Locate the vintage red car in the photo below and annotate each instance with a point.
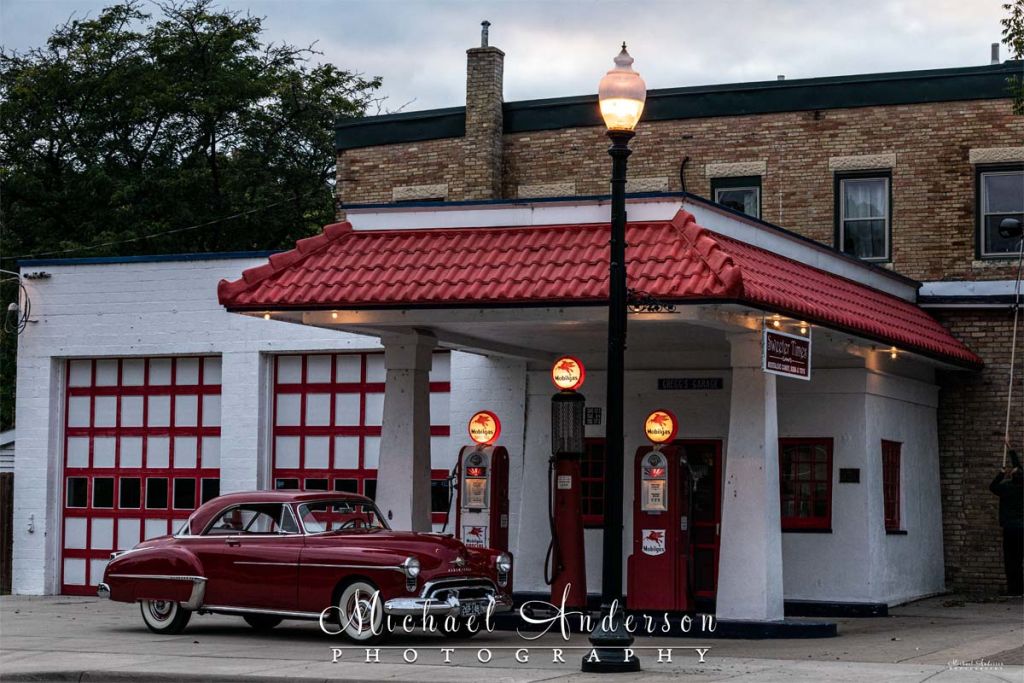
(273, 555)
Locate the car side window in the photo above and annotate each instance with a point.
(254, 519)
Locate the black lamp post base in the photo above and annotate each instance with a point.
(609, 655)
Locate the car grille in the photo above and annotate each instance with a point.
(463, 589)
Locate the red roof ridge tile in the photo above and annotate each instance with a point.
(711, 252)
(227, 289)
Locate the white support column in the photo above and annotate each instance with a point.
(243, 435)
(750, 561)
(403, 474)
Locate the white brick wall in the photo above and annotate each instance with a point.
(137, 309)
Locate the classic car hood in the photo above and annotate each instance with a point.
(413, 542)
(432, 550)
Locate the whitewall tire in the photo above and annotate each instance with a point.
(164, 616)
(359, 621)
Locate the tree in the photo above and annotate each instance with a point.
(1013, 37)
(126, 131)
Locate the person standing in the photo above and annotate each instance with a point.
(1009, 486)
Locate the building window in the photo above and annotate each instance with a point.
(592, 483)
(864, 215)
(1000, 196)
(805, 480)
(741, 194)
(891, 484)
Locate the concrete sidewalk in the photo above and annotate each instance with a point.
(86, 639)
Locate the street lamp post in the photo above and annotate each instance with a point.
(621, 95)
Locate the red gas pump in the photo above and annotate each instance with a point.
(482, 506)
(565, 567)
(659, 565)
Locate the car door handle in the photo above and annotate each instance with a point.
(233, 542)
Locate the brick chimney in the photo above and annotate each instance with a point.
(484, 122)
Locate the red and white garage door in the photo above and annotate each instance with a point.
(327, 423)
(141, 451)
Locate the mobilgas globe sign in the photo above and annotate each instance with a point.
(661, 427)
(567, 373)
(484, 427)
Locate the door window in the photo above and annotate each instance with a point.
(255, 519)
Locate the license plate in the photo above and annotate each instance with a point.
(471, 609)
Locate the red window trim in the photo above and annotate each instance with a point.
(361, 474)
(808, 523)
(593, 520)
(891, 489)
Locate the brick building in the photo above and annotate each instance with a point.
(835, 209)
(936, 157)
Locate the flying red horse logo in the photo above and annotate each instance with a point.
(653, 541)
(660, 419)
(483, 421)
(476, 531)
(567, 366)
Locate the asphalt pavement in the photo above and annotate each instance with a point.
(87, 639)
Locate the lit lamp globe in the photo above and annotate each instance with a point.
(621, 95)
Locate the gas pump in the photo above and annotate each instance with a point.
(659, 567)
(482, 509)
(565, 567)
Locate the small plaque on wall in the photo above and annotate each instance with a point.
(849, 475)
(592, 416)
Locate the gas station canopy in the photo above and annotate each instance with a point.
(674, 261)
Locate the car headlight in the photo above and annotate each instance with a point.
(411, 567)
(504, 563)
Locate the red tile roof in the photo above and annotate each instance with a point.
(674, 260)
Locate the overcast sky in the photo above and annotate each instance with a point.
(562, 47)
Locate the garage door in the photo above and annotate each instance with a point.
(141, 451)
(327, 423)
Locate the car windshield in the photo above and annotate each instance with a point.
(324, 516)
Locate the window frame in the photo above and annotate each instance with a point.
(892, 509)
(366, 477)
(591, 519)
(752, 182)
(979, 215)
(809, 524)
(839, 209)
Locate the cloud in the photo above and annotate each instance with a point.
(563, 48)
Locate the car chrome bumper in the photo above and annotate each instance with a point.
(415, 607)
(103, 590)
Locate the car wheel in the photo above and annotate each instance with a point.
(359, 621)
(262, 622)
(164, 616)
(462, 629)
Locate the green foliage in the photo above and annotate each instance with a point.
(1013, 38)
(129, 124)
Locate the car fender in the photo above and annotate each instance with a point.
(156, 573)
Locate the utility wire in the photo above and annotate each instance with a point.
(161, 233)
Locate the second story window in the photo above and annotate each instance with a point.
(863, 216)
(1000, 196)
(741, 194)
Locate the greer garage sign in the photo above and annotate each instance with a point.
(786, 354)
